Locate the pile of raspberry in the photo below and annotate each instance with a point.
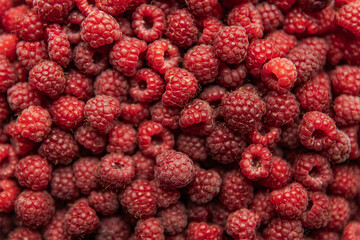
(179, 119)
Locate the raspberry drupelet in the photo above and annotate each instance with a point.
(150, 229)
(85, 174)
(318, 214)
(91, 139)
(9, 193)
(53, 10)
(63, 185)
(242, 224)
(174, 218)
(283, 228)
(122, 139)
(21, 96)
(192, 145)
(200, 230)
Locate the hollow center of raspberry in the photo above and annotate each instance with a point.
(318, 134)
(142, 85)
(314, 172)
(256, 162)
(157, 140)
(148, 22)
(117, 165)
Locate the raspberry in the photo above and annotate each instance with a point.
(11, 18)
(242, 224)
(213, 94)
(9, 192)
(144, 166)
(89, 138)
(351, 53)
(312, 171)
(20, 72)
(146, 86)
(318, 214)
(231, 77)
(317, 131)
(340, 151)
(282, 228)
(168, 7)
(34, 123)
(280, 174)
(337, 44)
(352, 133)
(165, 197)
(242, 110)
(114, 227)
(4, 108)
(81, 219)
(115, 170)
(53, 10)
(301, 23)
(211, 26)
(126, 55)
(72, 26)
(202, 62)
(261, 205)
(348, 17)
(162, 55)
(58, 45)
(340, 213)
(345, 79)
(24, 233)
(139, 199)
(219, 213)
(205, 186)
(22, 96)
(33, 172)
(150, 229)
(5, 5)
(34, 208)
(290, 201)
(264, 135)
(202, 8)
(202, 230)
(62, 183)
(111, 83)
(347, 110)
(122, 139)
(351, 230)
(167, 116)
(89, 60)
(179, 81)
(8, 44)
(55, 229)
(104, 202)
(231, 44)
(7, 74)
(84, 170)
(198, 213)
(30, 26)
(78, 85)
(174, 218)
(192, 145)
(283, 41)
(31, 53)
(325, 235)
(236, 190)
(271, 16)
(345, 183)
(318, 45)
(154, 139)
(134, 113)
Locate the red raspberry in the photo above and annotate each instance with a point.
(63, 185)
(340, 151)
(104, 202)
(271, 16)
(242, 224)
(11, 18)
(198, 213)
(122, 139)
(202, 230)
(348, 17)
(58, 45)
(111, 83)
(345, 183)
(162, 55)
(55, 229)
(318, 214)
(113, 7)
(174, 218)
(280, 174)
(325, 235)
(192, 145)
(202, 8)
(290, 201)
(168, 7)
(236, 190)
(347, 110)
(282, 228)
(179, 81)
(89, 138)
(7, 74)
(134, 113)
(202, 62)
(114, 227)
(146, 86)
(33, 172)
(21, 96)
(231, 77)
(5, 5)
(219, 213)
(34, 208)
(261, 205)
(31, 53)
(154, 139)
(149, 229)
(211, 26)
(337, 42)
(205, 186)
(174, 169)
(72, 26)
(165, 197)
(81, 219)
(352, 133)
(340, 213)
(139, 199)
(9, 192)
(24, 233)
(351, 53)
(34, 123)
(283, 41)
(231, 44)
(144, 166)
(89, 60)
(318, 45)
(345, 79)
(84, 171)
(264, 135)
(53, 10)
(167, 116)
(351, 230)
(181, 29)
(78, 85)
(312, 171)
(213, 94)
(8, 44)
(126, 55)
(317, 131)
(30, 26)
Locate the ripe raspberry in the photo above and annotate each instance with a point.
(242, 110)
(337, 42)
(126, 56)
(53, 10)
(24, 233)
(236, 190)
(202, 62)
(165, 197)
(312, 171)
(168, 7)
(11, 18)
(264, 135)
(139, 199)
(345, 182)
(318, 214)
(231, 77)
(21, 96)
(122, 139)
(202, 230)
(104, 202)
(351, 53)
(31, 53)
(179, 81)
(111, 83)
(134, 113)
(213, 94)
(84, 170)
(242, 224)
(174, 218)
(261, 205)
(9, 192)
(8, 44)
(211, 26)
(351, 230)
(114, 227)
(167, 116)
(283, 41)
(198, 213)
(34, 123)
(153, 138)
(58, 45)
(34, 208)
(324, 234)
(78, 85)
(30, 26)
(55, 229)
(348, 17)
(5, 5)
(231, 44)
(72, 26)
(81, 219)
(192, 145)
(345, 79)
(33, 172)
(7, 74)
(340, 151)
(149, 229)
(62, 183)
(205, 186)
(347, 110)
(144, 166)
(89, 138)
(20, 72)
(202, 8)
(282, 228)
(318, 45)
(352, 133)
(271, 16)
(340, 213)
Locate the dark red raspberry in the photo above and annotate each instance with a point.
(55, 229)
(312, 171)
(162, 55)
(340, 213)
(219, 213)
(139, 199)
(122, 139)
(280, 174)
(346, 110)
(8, 44)
(111, 83)
(149, 229)
(283, 41)
(352, 53)
(115, 170)
(33, 172)
(348, 17)
(114, 227)
(30, 26)
(34, 208)
(211, 26)
(21, 96)
(31, 53)
(213, 94)
(9, 192)
(144, 166)
(84, 170)
(78, 85)
(146, 86)
(351, 230)
(179, 81)
(63, 185)
(231, 44)
(34, 123)
(101, 111)
(242, 110)
(318, 45)
(340, 151)
(104, 202)
(72, 26)
(345, 79)
(113, 7)
(324, 234)
(345, 182)
(134, 113)
(231, 77)
(205, 186)
(11, 18)
(81, 219)
(337, 42)
(264, 135)
(242, 224)
(165, 197)
(167, 116)
(198, 213)
(271, 16)
(89, 138)
(53, 10)
(282, 228)
(202, 62)
(202, 8)
(261, 205)
(236, 190)
(174, 218)
(89, 60)
(192, 145)
(352, 133)
(24, 233)
(297, 21)
(58, 45)
(126, 56)
(7, 74)
(318, 213)
(168, 7)
(202, 230)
